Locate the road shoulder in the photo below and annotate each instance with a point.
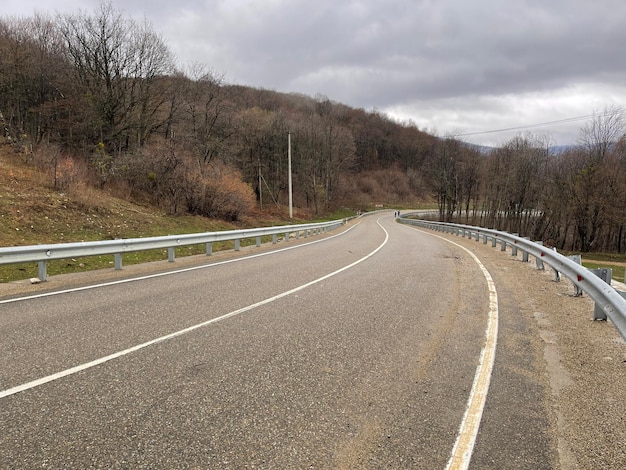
(584, 361)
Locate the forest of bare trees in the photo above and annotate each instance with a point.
(98, 97)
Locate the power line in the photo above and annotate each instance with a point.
(530, 126)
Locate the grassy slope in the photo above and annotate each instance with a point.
(32, 212)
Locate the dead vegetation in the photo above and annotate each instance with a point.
(33, 212)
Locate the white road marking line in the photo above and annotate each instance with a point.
(168, 273)
(88, 365)
(468, 431)
(464, 446)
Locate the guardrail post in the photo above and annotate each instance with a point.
(578, 260)
(171, 256)
(237, 244)
(557, 275)
(209, 249)
(42, 272)
(258, 241)
(538, 260)
(485, 239)
(494, 241)
(514, 246)
(605, 274)
(525, 253)
(286, 236)
(274, 239)
(118, 261)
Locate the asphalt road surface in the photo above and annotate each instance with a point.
(357, 349)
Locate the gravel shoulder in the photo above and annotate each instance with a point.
(585, 363)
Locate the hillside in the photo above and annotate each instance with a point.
(191, 144)
(32, 212)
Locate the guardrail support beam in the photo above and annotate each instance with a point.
(525, 253)
(538, 260)
(578, 260)
(117, 257)
(42, 272)
(606, 275)
(514, 246)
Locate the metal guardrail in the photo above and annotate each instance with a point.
(607, 299)
(41, 254)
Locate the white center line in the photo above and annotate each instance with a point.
(88, 365)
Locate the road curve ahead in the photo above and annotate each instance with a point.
(358, 350)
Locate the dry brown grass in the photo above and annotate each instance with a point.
(33, 212)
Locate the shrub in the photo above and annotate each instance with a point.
(222, 194)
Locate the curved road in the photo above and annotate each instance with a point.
(355, 350)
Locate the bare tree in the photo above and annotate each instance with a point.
(444, 177)
(117, 64)
(603, 131)
(206, 114)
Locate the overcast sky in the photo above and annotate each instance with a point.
(450, 66)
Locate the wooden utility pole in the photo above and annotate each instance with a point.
(289, 169)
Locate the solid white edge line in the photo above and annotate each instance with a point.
(168, 273)
(468, 430)
(88, 365)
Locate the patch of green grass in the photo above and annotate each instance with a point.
(610, 257)
(617, 271)
(14, 272)
(336, 215)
